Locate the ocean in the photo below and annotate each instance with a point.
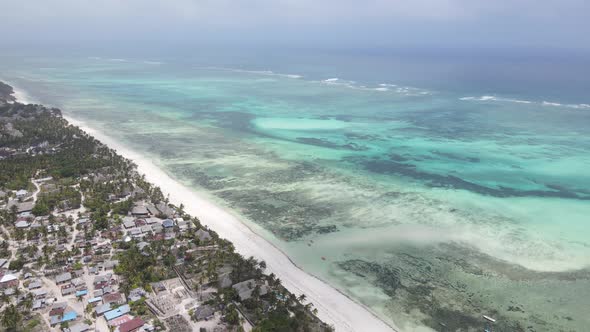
(433, 187)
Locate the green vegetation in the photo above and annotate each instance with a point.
(40, 144)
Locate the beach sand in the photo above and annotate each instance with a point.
(335, 308)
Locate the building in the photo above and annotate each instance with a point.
(168, 223)
(21, 208)
(80, 327)
(101, 309)
(35, 284)
(20, 194)
(203, 236)
(129, 224)
(140, 211)
(63, 278)
(131, 326)
(115, 313)
(204, 312)
(67, 290)
(67, 317)
(246, 288)
(114, 298)
(8, 281)
(22, 224)
(95, 300)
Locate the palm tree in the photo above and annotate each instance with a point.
(11, 318)
(301, 298)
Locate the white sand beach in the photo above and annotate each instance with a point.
(333, 306)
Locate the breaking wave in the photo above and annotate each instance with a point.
(521, 101)
(256, 72)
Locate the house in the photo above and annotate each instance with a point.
(20, 194)
(67, 290)
(58, 308)
(152, 209)
(135, 233)
(114, 298)
(204, 312)
(8, 281)
(101, 309)
(110, 264)
(3, 262)
(152, 220)
(39, 293)
(203, 235)
(67, 317)
(95, 300)
(81, 293)
(246, 288)
(114, 323)
(140, 211)
(120, 311)
(136, 294)
(63, 278)
(128, 224)
(21, 208)
(165, 210)
(133, 325)
(168, 223)
(38, 304)
(35, 284)
(78, 283)
(224, 281)
(80, 327)
(83, 221)
(36, 224)
(141, 245)
(22, 224)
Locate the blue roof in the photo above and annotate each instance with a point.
(94, 299)
(168, 223)
(68, 316)
(120, 311)
(81, 293)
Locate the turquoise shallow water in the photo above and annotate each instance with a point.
(429, 206)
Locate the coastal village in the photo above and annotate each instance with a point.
(86, 244)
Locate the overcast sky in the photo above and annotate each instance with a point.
(349, 23)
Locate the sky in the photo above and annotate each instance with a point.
(557, 24)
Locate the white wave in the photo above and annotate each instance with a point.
(387, 85)
(521, 101)
(257, 72)
(482, 98)
(94, 58)
(330, 80)
(576, 106)
(381, 89)
(486, 98)
(19, 94)
(118, 60)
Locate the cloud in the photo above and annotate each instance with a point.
(555, 23)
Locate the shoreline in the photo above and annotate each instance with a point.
(334, 307)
